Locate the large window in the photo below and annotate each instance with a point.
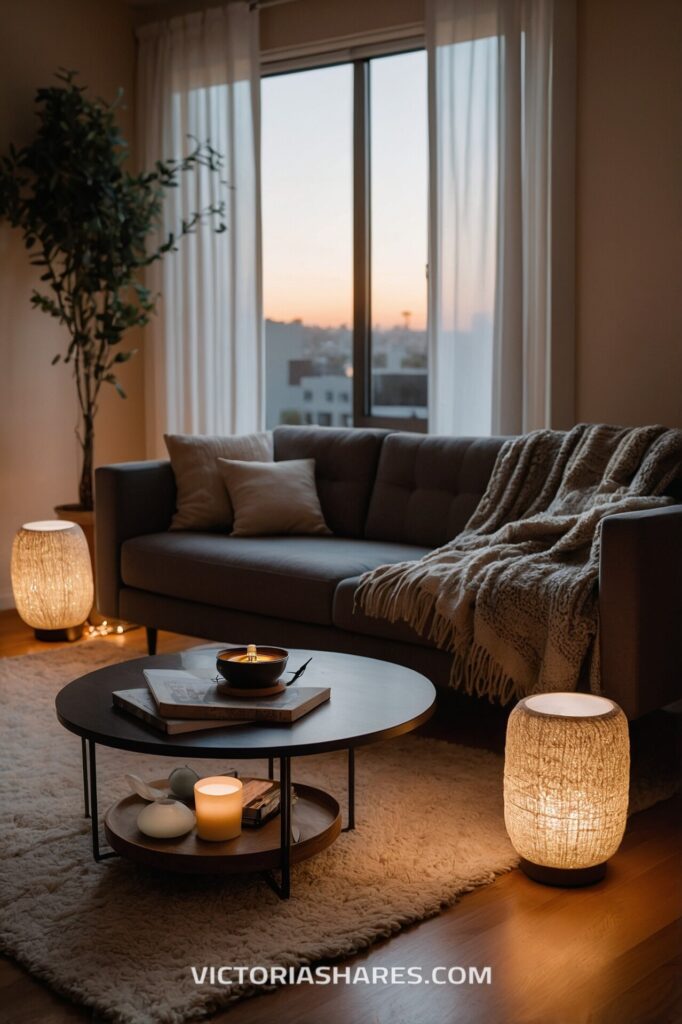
(344, 171)
(307, 174)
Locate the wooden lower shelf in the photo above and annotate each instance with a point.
(315, 813)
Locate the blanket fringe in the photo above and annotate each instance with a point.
(479, 675)
(474, 670)
(395, 599)
(398, 600)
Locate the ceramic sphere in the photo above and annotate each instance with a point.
(181, 782)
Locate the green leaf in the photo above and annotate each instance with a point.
(123, 357)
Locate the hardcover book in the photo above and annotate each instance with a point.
(141, 704)
(261, 800)
(180, 694)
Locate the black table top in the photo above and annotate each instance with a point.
(370, 700)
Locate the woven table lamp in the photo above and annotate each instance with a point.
(52, 578)
(566, 780)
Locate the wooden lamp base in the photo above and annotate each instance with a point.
(52, 636)
(564, 877)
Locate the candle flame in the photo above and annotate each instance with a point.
(218, 789)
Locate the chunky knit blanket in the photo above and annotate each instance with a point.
(514, 596)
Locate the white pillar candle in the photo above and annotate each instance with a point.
(218, 806)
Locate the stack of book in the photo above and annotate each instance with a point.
(178, 702)
(261, 800)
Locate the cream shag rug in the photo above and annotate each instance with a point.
(121, 938)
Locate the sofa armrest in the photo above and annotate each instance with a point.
(131, 499)
(640, 607)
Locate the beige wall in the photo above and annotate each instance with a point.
(300, 22)
(307, 21)
(629, 211)
(38, 451)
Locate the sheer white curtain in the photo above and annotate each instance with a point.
(198, 79)
(490, 104)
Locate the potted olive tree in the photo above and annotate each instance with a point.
(87, 222)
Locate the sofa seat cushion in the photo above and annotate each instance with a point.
(284, 577)
(357, 622)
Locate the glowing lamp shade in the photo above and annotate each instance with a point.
(566, 780)
(52, 578)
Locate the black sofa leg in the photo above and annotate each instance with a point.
(151, 640)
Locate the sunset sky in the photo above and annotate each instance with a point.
(307, 193)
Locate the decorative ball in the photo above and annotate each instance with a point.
(165, 819)
(181, 782)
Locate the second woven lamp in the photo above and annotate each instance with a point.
(566, 783)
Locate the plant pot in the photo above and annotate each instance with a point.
(86, 521)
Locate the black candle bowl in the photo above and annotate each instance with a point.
(252, 675)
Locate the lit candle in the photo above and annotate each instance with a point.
(218, 806)
(251, 667)
(252, 657)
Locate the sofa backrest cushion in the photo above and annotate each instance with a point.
(427, 486)
(346, 463)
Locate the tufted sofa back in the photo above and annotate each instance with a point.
(428, 486)
(346, 463)
(408, 488)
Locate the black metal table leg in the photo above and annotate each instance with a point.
(84, 759)
(271, 767)
(96, 852)
(285, 835)
(152, 635)
(351, 790)
(283, 887)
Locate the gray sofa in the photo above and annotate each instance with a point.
(387, 497)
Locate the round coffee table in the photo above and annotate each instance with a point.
(370, 700)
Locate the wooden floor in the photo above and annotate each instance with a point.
(610, 954)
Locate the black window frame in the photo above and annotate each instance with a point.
(362, 241)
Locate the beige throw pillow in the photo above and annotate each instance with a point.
(273, 497)
(203, 502)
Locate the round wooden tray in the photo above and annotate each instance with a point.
(315, 813)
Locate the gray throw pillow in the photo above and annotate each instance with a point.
(203, 502)
(271, 498)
